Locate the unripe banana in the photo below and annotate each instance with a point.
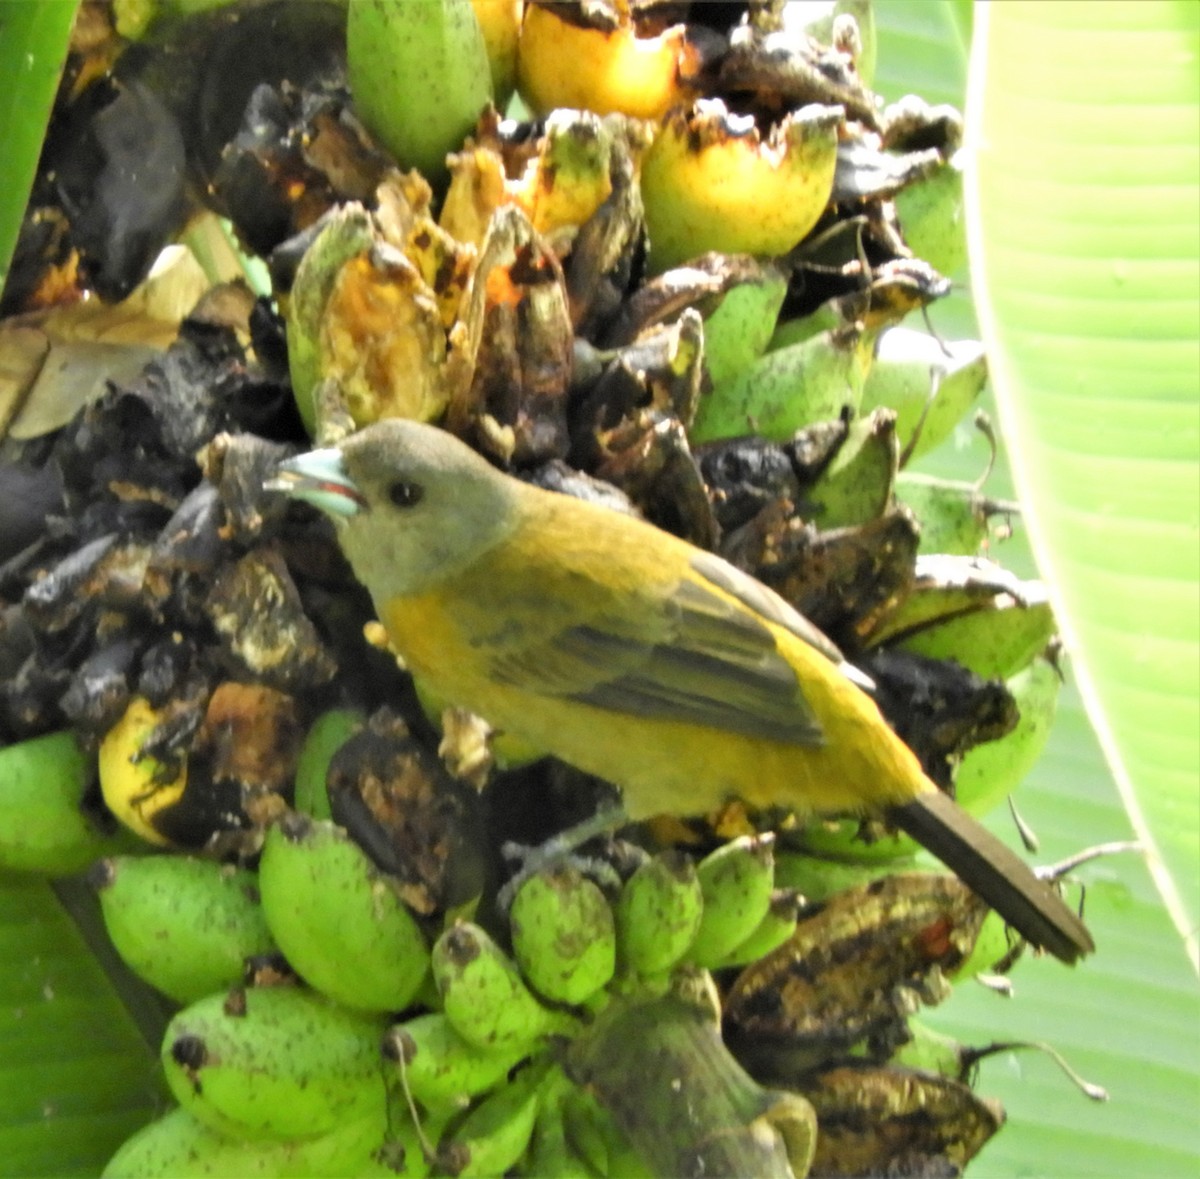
(275, 1062)
(550, 1152)
(737, 333)
(43, 824)
(420, 76)
(993, 770)
(327, 734)
(658, 913)
(773, 930)
(441, 1069)
(841, 851)
(736, 881)
(929, 1050)
(856, 486)
(560, 64)
(563, 934)
(483, 994)
(182, 1147)
(493, 1136)
(930, 384)
(130, 782)
(932, 219)
(816, 878)
(337, 918)
(787, 389)
(953, 515)
(709, 182)
(185, 925)
(995, 950)
(994, 642)
(972, 611)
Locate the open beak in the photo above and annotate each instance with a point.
(320, 478)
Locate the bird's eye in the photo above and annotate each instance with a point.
(404, 495)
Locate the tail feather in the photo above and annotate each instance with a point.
(1031, 906)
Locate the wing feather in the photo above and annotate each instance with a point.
(693, 657)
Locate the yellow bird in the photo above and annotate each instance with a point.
(633, 655)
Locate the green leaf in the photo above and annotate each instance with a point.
(33, 47)
(1086, 264)
(77, 1073)
(1127, 1017)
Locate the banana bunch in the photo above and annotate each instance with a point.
(311, 1079)
(334, 1019)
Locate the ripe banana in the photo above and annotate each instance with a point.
(560, 64)
(711, 182)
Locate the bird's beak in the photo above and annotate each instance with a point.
(320, 478)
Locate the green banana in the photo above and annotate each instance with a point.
(788, 388)
(953, 516)
(840, 845)
(44, 826)
(274, 1062)
(930, 385)
(183, 1147)
(991, 771)
(563, 935)
(738, 330)
(994, 642)
(856, 486)
(932, 220)
(736, 881)
(816, 878)
(337, 918)
(930, 1051)
(327, 734)
(496, 1133)
(995, 950)
(576, 1138)
(657, 914)
(420, 76)
(484, 996)
(441, 1069)
(972, 611)
(185, 925)
(772, 931)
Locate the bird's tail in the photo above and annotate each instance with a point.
(1031, 906)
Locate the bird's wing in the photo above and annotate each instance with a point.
(684, 653)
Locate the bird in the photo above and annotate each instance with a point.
(633, 655)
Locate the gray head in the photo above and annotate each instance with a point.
(414, 504)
